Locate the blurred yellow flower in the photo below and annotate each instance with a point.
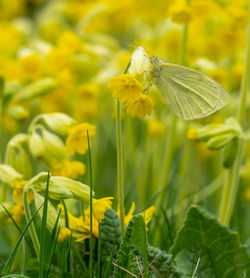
(180, 13)
(126, 87)
(192, 134)
(140, 106)
(100, 206)
(64, 234)
(77, 139)
(68, 169)
(30, 66)
(147, 214)
(156, 128)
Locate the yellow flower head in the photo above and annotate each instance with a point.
(64, 234)
(156, 128)
(180, 13)
(126, 87)
(100, 206)
(147, 214)
(31, 66)
(69, 169)
(140, 106)
(192, 134)
(77, 140)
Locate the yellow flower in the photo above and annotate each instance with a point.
(192, 134)
(180, 13)
(219, 75)
(126, 87)
(147, 214)
(141, 106)
(64, 234)
(130, 214)
(156, 128)
(77, 140)
(69, 169)
(31, 66)
(100, 206)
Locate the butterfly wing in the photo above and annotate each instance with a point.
(190, 93)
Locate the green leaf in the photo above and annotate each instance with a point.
(162, 262)
(43, 234)
(220, 251)
(110, 230)
(10, 260)
(132, 254)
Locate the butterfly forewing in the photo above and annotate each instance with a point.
(189, 93)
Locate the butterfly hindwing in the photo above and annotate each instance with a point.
(190, 93)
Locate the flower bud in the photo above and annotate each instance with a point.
(229, 153)
(17, 155)
(56, 190)
(18, 112)
(54, 147)
(59, 122)
(9, 175)
(35, 89)
(52, 213)
(220, 141)
(140, 66)
(36, 145)
(79, 190)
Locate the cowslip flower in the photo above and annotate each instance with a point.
(147, 214)
(141, 106)
(180, 13)
(77, 140)
(126, 87)
(68, 169)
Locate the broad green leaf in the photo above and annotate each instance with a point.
(132, 255)
(162, 262)
(220, 251)
(110, 231)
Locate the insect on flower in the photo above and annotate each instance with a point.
(189, 93)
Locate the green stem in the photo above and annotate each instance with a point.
(245, 78)
(91, 259)
(225, 195)
(234, 179)
(234, 183)
(32, 229)
(120, 161)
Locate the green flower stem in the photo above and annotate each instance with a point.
(32, 229)
(120, 166)
(234, 173)
(225, 195)
(173, 120)
(120, 161)
(235, 183)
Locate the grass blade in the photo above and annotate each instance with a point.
(16, 225)
(10, 260)
(91, 260)
(44, 224)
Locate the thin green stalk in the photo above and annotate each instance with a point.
(99, 253)
(173, 120)
(234, 180)
(225, 195)
(44, 224)
(91, 259)
(235, 184)
(32, 229)
(120, 161)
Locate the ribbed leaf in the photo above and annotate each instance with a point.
(132, 254)
(110, 231)
(220, 251)
(162, 262)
